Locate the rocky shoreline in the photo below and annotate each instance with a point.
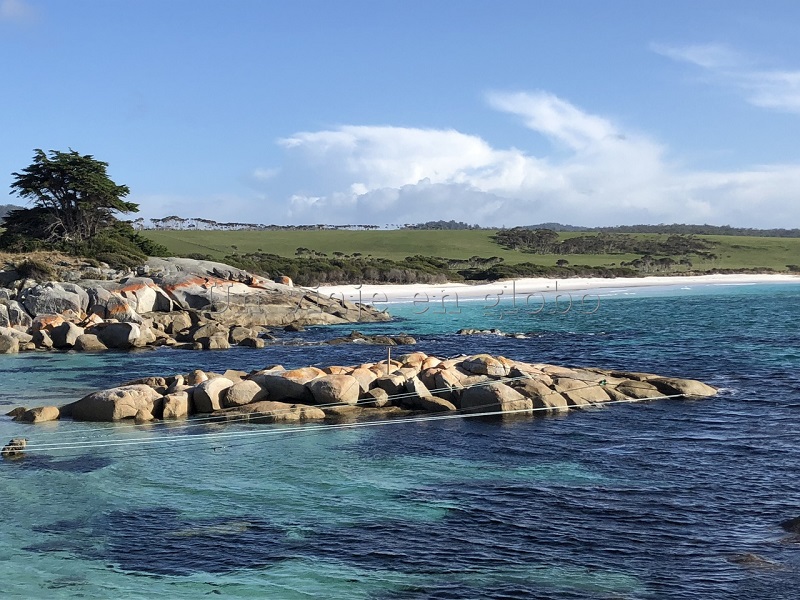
(189, 304)
(415, 382)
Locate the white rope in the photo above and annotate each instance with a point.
(197, 422)
(310, 428)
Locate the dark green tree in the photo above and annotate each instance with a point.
(74, 210)
(73, 198)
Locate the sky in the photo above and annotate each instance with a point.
(387, 112)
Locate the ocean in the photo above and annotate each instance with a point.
(662, 499)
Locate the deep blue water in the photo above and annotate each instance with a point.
(651, 500)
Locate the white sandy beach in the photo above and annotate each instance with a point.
(370, 293)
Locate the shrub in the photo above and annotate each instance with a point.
(36, 269)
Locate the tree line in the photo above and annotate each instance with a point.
(547, 241)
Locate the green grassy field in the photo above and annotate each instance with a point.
(734, 252)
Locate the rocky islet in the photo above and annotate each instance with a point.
(413, 383)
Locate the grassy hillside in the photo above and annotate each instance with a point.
(733, 252)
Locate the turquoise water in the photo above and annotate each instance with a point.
(652, 500)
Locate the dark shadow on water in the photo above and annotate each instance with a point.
(159, 541)
(78, 464)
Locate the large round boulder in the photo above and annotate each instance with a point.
(335, 389)
(120, 336)
(176, 405)
(114, 404)
(244, 392)
(288, 385)
(483, 364)
(208, 395)
(88, 342)
(144, 295)
(64, 335)
(494, 397)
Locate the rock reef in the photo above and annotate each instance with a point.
(169, 301)
(478, 384)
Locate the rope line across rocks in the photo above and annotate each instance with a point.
(226, 435)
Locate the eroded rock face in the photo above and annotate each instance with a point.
(54, 298)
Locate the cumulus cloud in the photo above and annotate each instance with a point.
(609, 174)
(777, 89)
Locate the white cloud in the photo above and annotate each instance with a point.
(555, 118)
(262, 174)
(763, 87)
(15, 10)
(609, 175)
(708, 56)
(773, 89)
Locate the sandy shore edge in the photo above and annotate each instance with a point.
(369, 293)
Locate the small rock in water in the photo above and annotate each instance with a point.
(14, 448)
(791, 525)
(748, 559)
(16, 412)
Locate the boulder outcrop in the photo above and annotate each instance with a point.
(275, 394)
(181, 302)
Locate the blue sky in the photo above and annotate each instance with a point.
(390, 112)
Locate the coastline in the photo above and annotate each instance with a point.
(399, 293)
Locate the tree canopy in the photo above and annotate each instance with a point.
(73, 193)
(74, 208)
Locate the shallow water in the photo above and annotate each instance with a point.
(653, 500)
